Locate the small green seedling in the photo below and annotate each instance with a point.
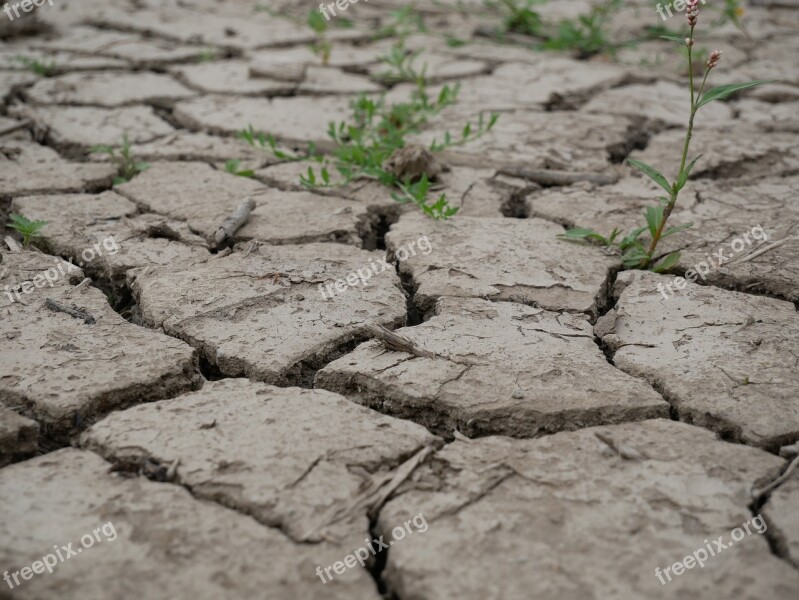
(322, 46)
(127, 166)
(27, 228)
(43, 69)
(232, 167)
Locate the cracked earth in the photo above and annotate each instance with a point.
(563, 426)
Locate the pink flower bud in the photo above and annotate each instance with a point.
(689, 42)
(715, 56)
(692, 11)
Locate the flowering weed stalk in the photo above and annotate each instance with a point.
(638, 254)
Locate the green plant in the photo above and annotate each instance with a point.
(207, 55)
(127, 166)
(29, 229)
(322, 46)
(375, 130)
(639, 254)
(586, 33)
(402, 23)
(519, 16)
(43, 69)
(400, 66)
(232, 167)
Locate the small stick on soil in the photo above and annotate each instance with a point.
(80, 286)
(548, 177)
(778, 481)
(395, 342)
(234, 222)
(374, 496)
(749, 257)
(12, 245)
(73, 312)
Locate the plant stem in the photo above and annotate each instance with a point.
(674, 191)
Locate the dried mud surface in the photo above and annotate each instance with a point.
(248, 413)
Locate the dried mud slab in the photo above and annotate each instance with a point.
(724, 360)
(190, 146)
(260, 313)
(300, 119)
(329, 80)
(499, 368)
(567, 517)
(669, 101)
(30, 168)
(156, 539)
(778, 117)
(783, 519)
(535, 85)
(738, 151)
(105, 235)
(516, 260)
(263, 62)
(564, 141)
(226, 31)
(230, 77)
(204, 198)
(59, 62)
(140, 51)
(729, 219)
(78, 128)
(18, 436)
(108, 89)
(235, 441)
(65, 371)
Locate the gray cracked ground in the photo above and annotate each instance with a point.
(500, 368)
(222, 487)
(266, 314)
(566, 517)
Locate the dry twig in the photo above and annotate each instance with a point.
(396, 342)
(73, 312)
(234, 222)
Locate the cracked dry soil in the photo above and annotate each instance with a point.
(564, 428)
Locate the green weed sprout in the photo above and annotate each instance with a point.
(29, 229)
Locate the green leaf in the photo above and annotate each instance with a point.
(634, 256)
(652, 173)
(673, 230)
(654, 217)
(682, 179)
(631, 238)
(325, 176)
(722, 91)
(674, 38)
(580, 233)
(667, 263)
